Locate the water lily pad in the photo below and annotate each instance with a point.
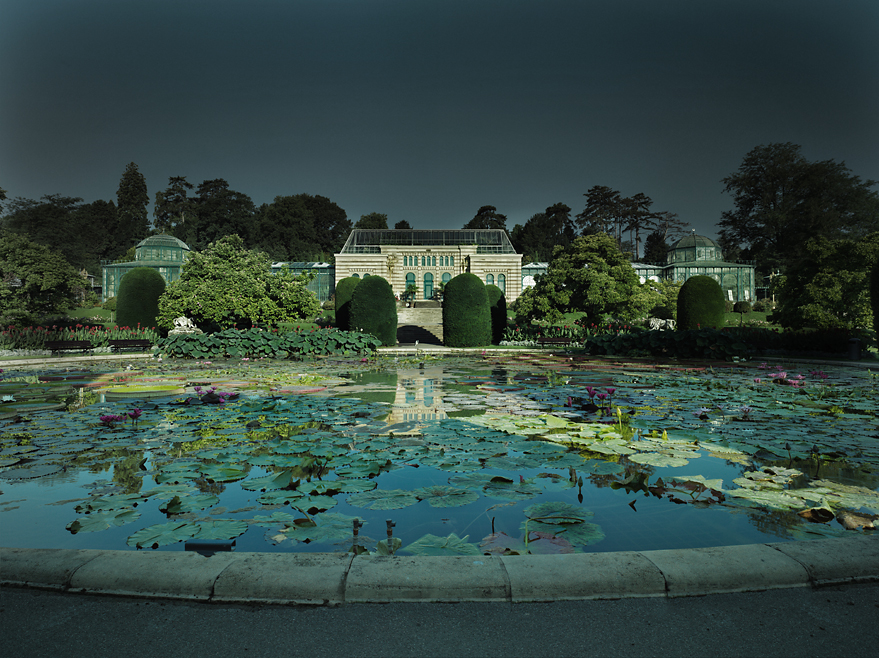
(557, 512)
(383, 499)
(180, 505)
(451, 545)
(443, 496)
(98, 521)
(163, 534)
(658, 459)
(221, 529)
(322, 527)
(268, 482)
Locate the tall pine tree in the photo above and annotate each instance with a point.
(131, 204)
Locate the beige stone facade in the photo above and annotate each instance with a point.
(427, 258)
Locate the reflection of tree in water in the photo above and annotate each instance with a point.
(125, 464)
(772, 521)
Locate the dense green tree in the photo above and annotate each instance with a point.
(173, 206)
(286, 230)
(543, 232)
(35, 281)
(592, 276)
(83, 233)
(219, 212)
(487, 217)
(497, 306)
(227, 284)
(131, 205)
(782, 200)
(402, 224)
(655, 248)
(638, 217)
(603, 211)
(331, 225)
(829, 285)
(374, 220)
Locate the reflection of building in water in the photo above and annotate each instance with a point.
(418, 395)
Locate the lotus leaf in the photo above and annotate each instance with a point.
(577, 534)
(451, 545)
(314, 504)
(97, 521)
(223, 472)
(108, 503)
(163, 534)
(500, 543)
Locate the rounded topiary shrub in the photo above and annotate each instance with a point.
(137, 301)
(701, 304)
(374, 309)
(344, 290)
(466, 315)
(497, 306)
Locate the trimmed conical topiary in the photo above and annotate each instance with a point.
(701, 304)
(497, 306)
(374, 309)
(466, 315)
(137, 301)
(344, 290)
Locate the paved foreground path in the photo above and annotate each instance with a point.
(831, 621)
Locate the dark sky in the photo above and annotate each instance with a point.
(426, 110)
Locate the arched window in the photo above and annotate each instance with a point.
(489, 279)
(446, 277)
(366, 275)
(422, 261)
(434, 261)
(428, 285)
(356, 276)
(451, 261)
(502, 283)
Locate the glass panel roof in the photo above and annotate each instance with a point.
(495, 238)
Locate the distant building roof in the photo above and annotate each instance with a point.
(694, 240)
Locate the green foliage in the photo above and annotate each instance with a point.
(374, 309)
(487, 217)
(138, 297)
(591, 276)
(35, 281)
(466, 313)
(227, 285)
(742, 307)
(109, 304)
(344, 290)
(374, 220)
(701, 304)
(131, 202)
(254, 343)
(543, 232)
(829, 286)
(782, 201)
(874, 296)
(497, 305)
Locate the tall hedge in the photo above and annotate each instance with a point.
(374, 309)
(344, 290)
(466, 314)
(497, 307)
(874, 297)
(137, 300)
(701, 304)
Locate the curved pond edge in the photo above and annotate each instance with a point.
(335, 578)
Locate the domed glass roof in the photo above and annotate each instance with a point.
(162, 240)
(694, 240)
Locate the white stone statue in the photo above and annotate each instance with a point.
(184, 325)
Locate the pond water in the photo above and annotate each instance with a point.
(494, 455)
